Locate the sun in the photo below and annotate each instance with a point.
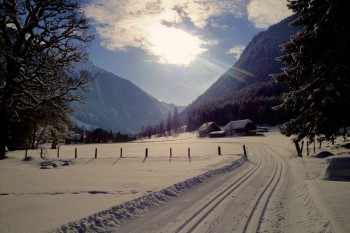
(174, 46)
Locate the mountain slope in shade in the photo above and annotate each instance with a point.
(117, 104)
(248, 78)
(257, 61)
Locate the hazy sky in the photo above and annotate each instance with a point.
(175, 49)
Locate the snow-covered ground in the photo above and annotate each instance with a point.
(101, 193)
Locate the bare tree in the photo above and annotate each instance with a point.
(39, 42)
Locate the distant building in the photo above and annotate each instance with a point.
(72, 138)
(241, 127)
(217, 134)
(207, 128)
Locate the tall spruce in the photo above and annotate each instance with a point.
(168, 123)
(176, 121)
(162, 131)
(317, 71)
(39, 40)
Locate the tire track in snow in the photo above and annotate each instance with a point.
(256, 215)
(199, 216)
(251, 205)
(109, 220)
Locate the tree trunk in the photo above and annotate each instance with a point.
(34, 135)
(298, 149)
(3, 133)
(2, 148)
(12, 69)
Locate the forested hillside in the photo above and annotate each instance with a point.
(246, 90)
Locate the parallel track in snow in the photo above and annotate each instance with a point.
(256, 215)
(257, 207)
(199, 216)
(234, 202)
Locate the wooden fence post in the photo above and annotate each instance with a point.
(95, 153)
(146, 153)
(189, 152)
(26, 154)
(244, 150)
(121, 152)
(314, 146)
(219, 150)
(76, 153)
(41, 152)
(171, 153)
(58, 152)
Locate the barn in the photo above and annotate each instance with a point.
(241, 127)
(207, 128)
(217, 134)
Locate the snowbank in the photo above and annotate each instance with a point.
(108, 220)
(324, 174)
(36, 200)
(338, 168)
(323, 154)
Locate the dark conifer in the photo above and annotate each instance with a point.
(317, 70)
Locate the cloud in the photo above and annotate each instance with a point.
(218, 25)
(128, 23)
(200, 11)
(263, 13)
(236, 50)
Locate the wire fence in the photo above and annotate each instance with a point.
(137, 150)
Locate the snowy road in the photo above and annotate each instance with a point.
(232, 202)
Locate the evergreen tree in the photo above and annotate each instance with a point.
(168, 123)
(161, 128)
(176, 121)
(317, 71)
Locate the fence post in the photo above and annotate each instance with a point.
(76, 153)
(189, 152)
(95, 153)
(146, 153)
(121, 152)
(41, 152)
(58, 152)
(219, 150)
(307, 148)
(244, 150)
(26, 154)
(314, 146)
(171, 153)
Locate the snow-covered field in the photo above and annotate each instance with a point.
(108, 190)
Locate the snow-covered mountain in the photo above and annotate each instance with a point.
(117, 104)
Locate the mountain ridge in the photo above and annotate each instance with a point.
(256, 62)
(247, 83)
(116, 104)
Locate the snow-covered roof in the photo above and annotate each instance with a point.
(208, 125)
(240, 124)
(217, 132)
